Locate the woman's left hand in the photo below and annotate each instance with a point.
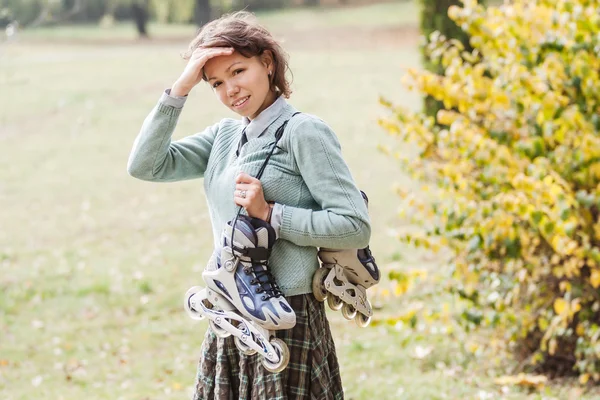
(249, 194)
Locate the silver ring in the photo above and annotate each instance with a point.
(243, 194)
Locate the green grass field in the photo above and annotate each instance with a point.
(94, 263)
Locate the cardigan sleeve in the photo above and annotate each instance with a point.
(156, 158)
(342, 220)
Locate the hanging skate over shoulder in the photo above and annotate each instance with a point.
(242, 298)
(343, 280)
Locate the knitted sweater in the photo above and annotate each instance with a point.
(322, 207)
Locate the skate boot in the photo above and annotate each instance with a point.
(343, 280)
(242, 298)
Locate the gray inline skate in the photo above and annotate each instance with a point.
(242, 298)
(343, 280)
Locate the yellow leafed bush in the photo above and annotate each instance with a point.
(515, 158)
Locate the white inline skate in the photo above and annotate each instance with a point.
(242, 298)
(343, 280)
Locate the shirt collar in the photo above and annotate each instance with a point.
(258, 125)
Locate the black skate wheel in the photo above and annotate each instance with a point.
(362, 320)
(334, 302)
(220, 332)
(318, 284)
(284, 357)
(243, 347)
(199, 294)
(348, 311)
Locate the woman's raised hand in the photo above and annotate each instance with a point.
(192, 74)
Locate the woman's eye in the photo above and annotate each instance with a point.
(216, 84)
(237, 71)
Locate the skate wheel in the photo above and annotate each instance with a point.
(318, 284)
(243, 347)
(362, 320)
(220, 332)
(334, 302)
(284, 357)
(200, 294)
(348, 311)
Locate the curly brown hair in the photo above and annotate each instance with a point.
(242, 31)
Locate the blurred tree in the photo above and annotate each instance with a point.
(24, 11)
(139, 12)
(85, 10)
(6, 17)
(434, 17)
(182, 11)
(72, 7)
(255, 5)
(52, 12)
(40, 12)
(202, 12)
(173, 11)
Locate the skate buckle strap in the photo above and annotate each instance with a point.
(256, 253)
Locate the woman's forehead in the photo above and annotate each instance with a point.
(222, 64)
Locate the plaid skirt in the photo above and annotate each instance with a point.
(312, 374)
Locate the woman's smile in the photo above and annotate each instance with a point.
(241, 103)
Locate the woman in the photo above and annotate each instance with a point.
(306, 193)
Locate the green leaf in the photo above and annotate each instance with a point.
(537, 216)
(549, 227)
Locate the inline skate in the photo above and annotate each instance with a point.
(242, 298)
(343, 280)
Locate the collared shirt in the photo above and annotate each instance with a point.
(258, 125)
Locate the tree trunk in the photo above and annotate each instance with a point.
(202, 12)
(43, 16)
(50, 16)
(139, 11)
(434, 17)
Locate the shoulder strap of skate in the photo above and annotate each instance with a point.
(278, 135)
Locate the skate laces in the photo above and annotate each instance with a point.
(256, 256)
(265, 280)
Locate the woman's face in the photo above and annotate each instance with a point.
(241, 83)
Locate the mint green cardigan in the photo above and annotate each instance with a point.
(322, 207)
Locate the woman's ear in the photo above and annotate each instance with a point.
(266, 58)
